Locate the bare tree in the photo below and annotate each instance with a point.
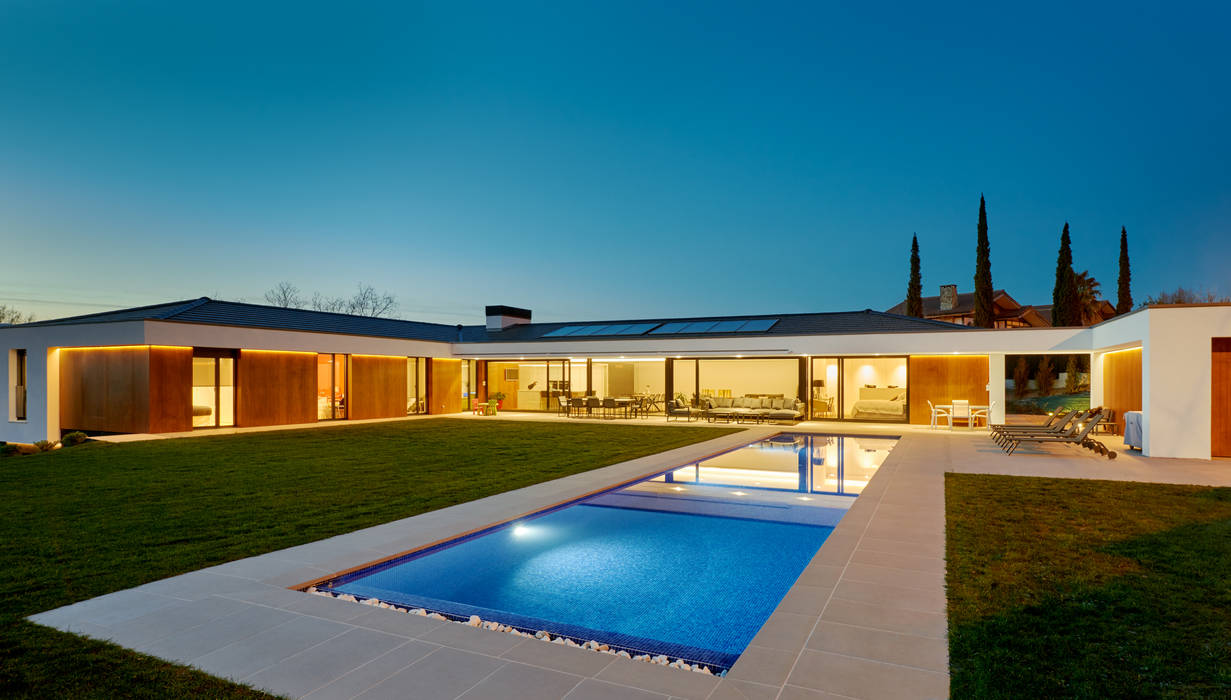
(10, 314)
(1185, 296)
(367, 302)
(336, 305)
(286, 295)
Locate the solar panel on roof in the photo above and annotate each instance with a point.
(757, 324)
(726, 326)
(637, 329)
(614, 329)
(698, 327)
(563, 330)
(668, 328)
(587, 330)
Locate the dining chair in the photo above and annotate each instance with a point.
(961, 410)
(984, 413)
(937, 414)
(609, 407)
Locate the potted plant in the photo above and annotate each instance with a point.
(499, 397)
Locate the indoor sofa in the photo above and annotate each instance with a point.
(758, 408)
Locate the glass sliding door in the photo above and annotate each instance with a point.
(213, 388)
(824, 397)
(331, 387)
(416, 402)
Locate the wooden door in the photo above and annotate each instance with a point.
(1220, 405)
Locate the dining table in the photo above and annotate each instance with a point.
(974, 407)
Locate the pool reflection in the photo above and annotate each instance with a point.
(822, 464)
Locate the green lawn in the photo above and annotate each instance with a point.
(1087, 589)
(98, 518)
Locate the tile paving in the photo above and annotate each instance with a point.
(866, 619)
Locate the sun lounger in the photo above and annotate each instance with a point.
(1078, 433)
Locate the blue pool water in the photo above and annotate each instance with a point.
(697, 583)
(689, 563)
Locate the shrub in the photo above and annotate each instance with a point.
(1021, 377)
(1046, 377)
(74, 438)
(7, 449)
(45, 445)
(1072, 377)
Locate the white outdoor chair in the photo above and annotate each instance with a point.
(984, 413)
(961, 410)
(937, 414)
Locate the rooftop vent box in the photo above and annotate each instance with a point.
(501, 317)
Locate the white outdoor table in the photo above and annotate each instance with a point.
(973, 407)
(1132, 429)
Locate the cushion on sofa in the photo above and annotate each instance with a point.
(724, 402)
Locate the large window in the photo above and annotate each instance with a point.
(531, 385)
(775, 378)
(625, 378)
(331, 387)
(874, 388)
(213, 388)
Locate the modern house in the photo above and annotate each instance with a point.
(203, 364)
(953, 307)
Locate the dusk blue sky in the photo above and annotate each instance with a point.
(602, 160)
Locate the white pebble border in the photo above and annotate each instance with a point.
(545, 636)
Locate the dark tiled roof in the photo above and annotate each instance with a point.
(834, 323)
(229, 313)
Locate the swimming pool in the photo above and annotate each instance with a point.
(687, 563)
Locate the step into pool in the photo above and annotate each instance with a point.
(688, 563)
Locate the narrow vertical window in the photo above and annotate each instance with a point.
(19, 389)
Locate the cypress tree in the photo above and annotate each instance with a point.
(1124, 295)
(983, 273)
(1064, 294)
(914, 288)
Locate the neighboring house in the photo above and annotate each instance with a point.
(953, 307)
(205, 364)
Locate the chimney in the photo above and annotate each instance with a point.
(948, 297)
(501, 317)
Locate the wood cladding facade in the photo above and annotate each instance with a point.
(1122, 383)
(942, 378)
(444, 386)
(276, 388)
(377, 387)
(135, 389)
(170, 389)
(1220, 405)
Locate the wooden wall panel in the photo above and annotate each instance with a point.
(377, 387)
(1122, 383)
(170, 389)
(942, 378)
(444, 390)
(105, 389)
(1220, 381)
(497, 383)
(275, 388)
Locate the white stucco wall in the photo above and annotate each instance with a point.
(1176, 391)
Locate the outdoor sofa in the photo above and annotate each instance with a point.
(758, 408)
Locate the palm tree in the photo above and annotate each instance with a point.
(1088, 301)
